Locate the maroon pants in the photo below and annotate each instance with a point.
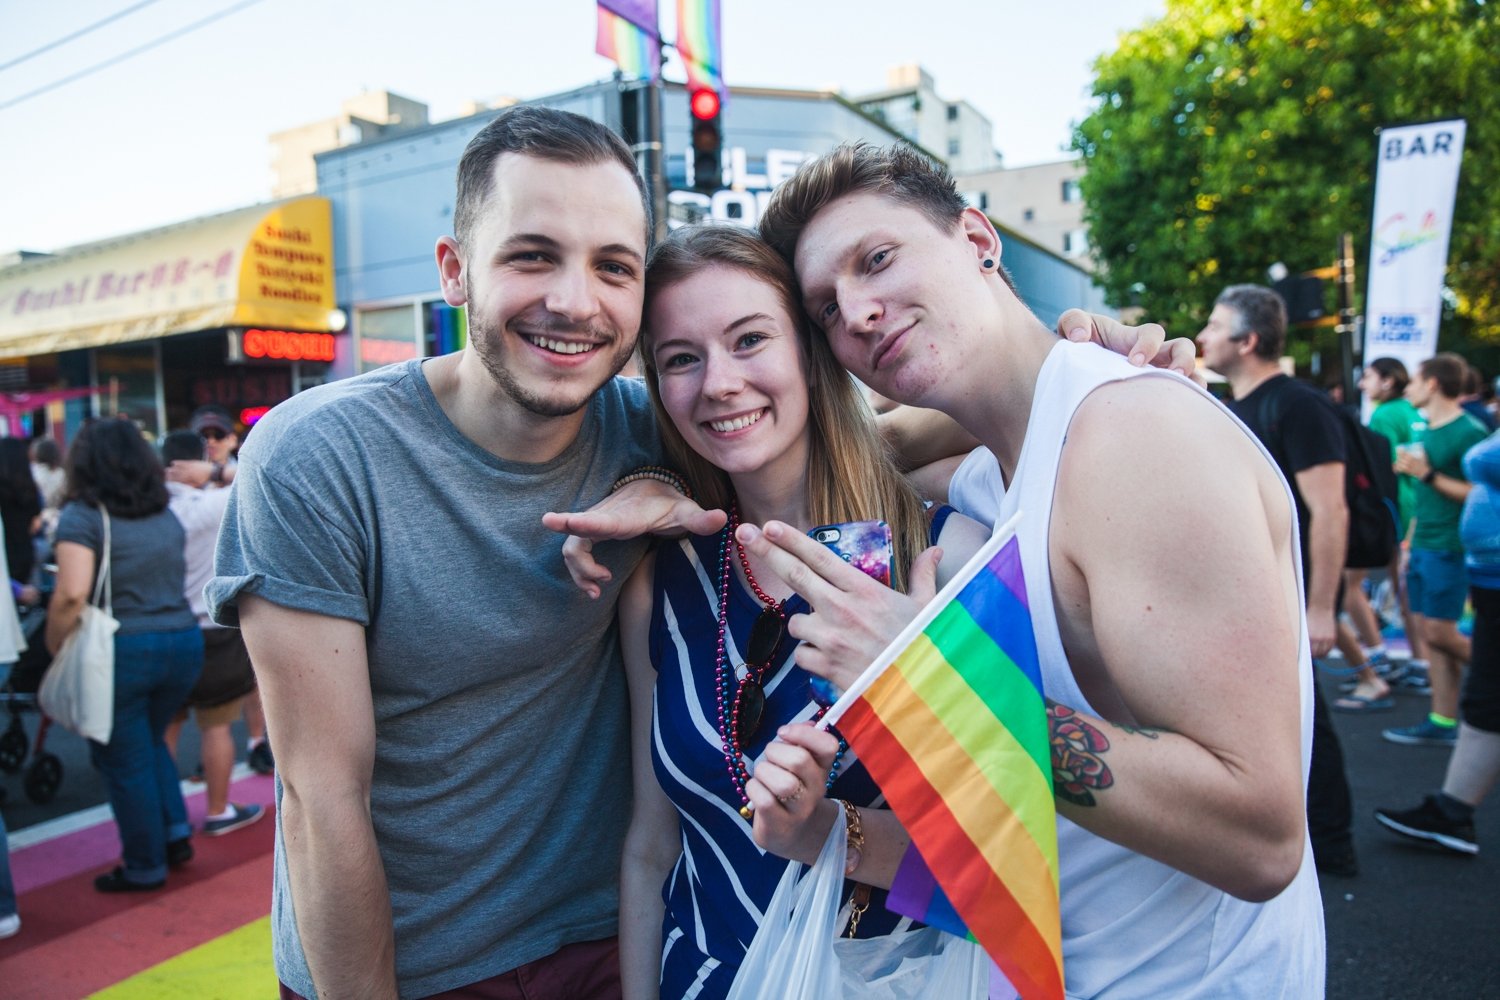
(586, 971)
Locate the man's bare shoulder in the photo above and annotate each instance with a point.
(1158, 444)
(1127, 421)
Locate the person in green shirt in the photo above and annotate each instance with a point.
(1384, 382)
(1436, 580)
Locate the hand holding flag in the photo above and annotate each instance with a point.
(950, 721)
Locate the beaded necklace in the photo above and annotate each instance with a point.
(730, 700)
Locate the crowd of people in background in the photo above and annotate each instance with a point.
(149, 518)
(1439, 424)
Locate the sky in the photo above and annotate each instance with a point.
(181, 129)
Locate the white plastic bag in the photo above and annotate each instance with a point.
(798, 955)
(78, 689)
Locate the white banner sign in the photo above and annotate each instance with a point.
(1415, 184)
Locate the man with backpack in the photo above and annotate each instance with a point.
(1303, 430)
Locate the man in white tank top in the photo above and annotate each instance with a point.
(1178, 644)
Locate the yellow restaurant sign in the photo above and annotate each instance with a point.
(267, 266)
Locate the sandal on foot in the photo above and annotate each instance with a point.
(1358, 703)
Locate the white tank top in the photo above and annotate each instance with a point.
(1132, 926)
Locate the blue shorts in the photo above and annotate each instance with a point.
(1437, 584)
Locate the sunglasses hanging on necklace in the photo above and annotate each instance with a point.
(742, 710)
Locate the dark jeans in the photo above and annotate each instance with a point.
(154, 671)
(1330, 810)
(1481, 698)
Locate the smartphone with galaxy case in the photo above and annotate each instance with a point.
(865, 545)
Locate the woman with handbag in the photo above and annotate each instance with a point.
(116, 537)
(728, 789)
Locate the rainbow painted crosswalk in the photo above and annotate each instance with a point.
(206, 935)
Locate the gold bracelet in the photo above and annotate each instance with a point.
(859, 899)
(657, 473)
(854, 833)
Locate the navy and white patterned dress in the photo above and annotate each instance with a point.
(719, 889)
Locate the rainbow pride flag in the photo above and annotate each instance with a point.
(628, 34)
(950, 722)
(700, 43)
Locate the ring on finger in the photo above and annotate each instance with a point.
(789, 799)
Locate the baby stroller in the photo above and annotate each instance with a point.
(44, 776)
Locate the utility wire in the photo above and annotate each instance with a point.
(115, 60)
(77, 34)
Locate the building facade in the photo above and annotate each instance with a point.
(361, 119)
(954, 131)
(1044, 203)
(236, 309)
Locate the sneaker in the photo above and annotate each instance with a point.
(1337, 859)
(1424, 734)
(116, 881)
(1429, 823)
(1410, 680)
(179, 852)
(239, 816)
(10, 926)
(260, 759)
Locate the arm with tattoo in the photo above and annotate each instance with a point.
(1078, 748)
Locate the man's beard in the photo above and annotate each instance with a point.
(486, 340)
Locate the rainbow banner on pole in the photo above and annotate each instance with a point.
(950, 722)
(700, 43)
(628, 33)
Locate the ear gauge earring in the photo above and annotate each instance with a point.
(988, 263)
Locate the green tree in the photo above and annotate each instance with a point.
(1233, 133)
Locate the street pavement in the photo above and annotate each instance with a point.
(1414, 923)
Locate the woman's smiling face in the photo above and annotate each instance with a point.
(730, 370)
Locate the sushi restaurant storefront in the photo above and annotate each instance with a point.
(236, 309)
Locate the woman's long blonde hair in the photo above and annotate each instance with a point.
(850, 473)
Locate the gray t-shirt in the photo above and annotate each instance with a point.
(502, 774)
(146, 565)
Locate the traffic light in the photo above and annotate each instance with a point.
(708, 140)
(1303, 294)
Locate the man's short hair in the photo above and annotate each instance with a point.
(542, 132)
(1474, 381)
(897, 171)
(1449, 370)
(1258, 310)
(182, 446)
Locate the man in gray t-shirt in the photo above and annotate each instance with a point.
(448, 710)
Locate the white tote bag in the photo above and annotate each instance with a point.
(78, 689)
(798, 955)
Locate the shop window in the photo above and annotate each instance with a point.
(447, 329)
(128, 376)
(385, 336)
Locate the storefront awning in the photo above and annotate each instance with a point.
(270, 265)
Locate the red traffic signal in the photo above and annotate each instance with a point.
(705, 104)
